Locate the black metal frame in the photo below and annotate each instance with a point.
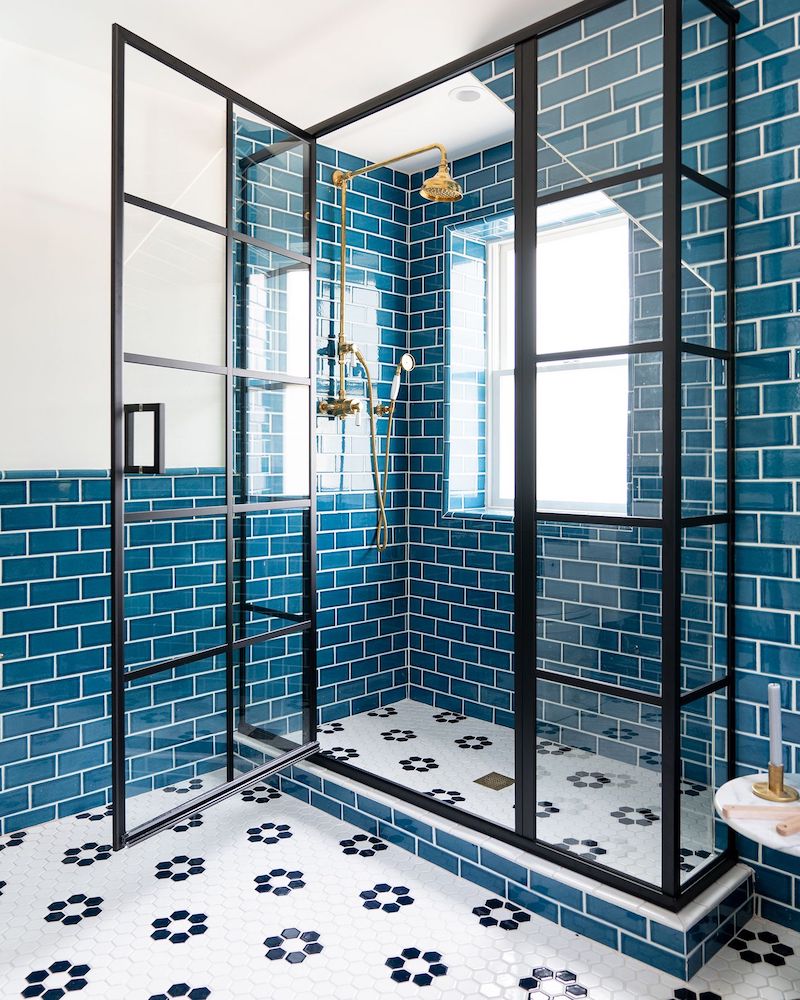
(672, 894)
(303, 625)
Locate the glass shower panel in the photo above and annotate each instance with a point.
(704, 435)
(704, 267)
(191, 423)
(174, 139)
(703, 763)
(174, 302)
(175, 737)
(607, 244)
(704, 79)
(270, 183)
(599, 606)
(270, 699)
(174, 588)
(270, 569)
(600, 85)
(598, 438)
(271, 440)
(271, 312)
(598, 778)
(704, 607)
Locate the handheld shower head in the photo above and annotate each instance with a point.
(407, 362)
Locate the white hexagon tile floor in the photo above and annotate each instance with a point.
(266, 898)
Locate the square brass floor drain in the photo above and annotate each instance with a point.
(495, 781)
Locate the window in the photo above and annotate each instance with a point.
(583, 302)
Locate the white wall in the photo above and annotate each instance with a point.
(55, 260)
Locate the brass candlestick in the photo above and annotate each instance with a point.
(773, 789)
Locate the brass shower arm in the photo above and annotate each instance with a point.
(341, 177)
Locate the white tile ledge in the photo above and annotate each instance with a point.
(681, 921)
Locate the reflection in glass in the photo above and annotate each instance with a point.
(598, 779)
(598, 435)
(704, 90)
(270, 566)
(704, 272)
(599, 609)
(271, 170)
(271, 440)
(271, 305)
(704, 596)
(702, 763)
(174, 139)
(174, 302)
(704, 435)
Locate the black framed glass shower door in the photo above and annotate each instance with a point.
(213, 586)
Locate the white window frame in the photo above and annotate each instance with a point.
(499, 256)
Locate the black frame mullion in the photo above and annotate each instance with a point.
(230, 322)
(525, 172)
(671, 458)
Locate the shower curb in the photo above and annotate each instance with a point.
(679, 944)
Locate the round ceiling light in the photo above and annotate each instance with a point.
(466, 94)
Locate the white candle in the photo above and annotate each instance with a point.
(775, 725)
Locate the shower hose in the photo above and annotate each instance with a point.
(382, 537)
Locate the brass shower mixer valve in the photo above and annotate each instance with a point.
(340, 407)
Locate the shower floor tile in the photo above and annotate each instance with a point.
(263, 897)
(606, 811)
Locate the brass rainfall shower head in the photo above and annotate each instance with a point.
(441, 187)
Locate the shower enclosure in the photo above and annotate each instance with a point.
(544, 650)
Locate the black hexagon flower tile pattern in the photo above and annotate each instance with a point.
(449, 797)
(341, 753)
(56, 981)
(279, 882)
(179, 927)
(449, 717)
(421, 764)
(269, 833)
(473, 742)
(385, 897)
(546, 808)
(589, 779)
(545, 983)
(548, 748)
(329, 728)
(180, 868)
(72, 910)
(335, 912)
(363, 845)
(182, 990)
(13, 839)
(383, 713)
(632, 816)
(192, 785)
(693, 859)
(260, 794)
(293, 945)
(587, 849)
(97, 816)
(86, 854)
(501, 913)
(399, 735)
(764, 946)
(416, 966)
(189, 823)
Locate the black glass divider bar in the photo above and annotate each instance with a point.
(672, 894)
(254, 374)
(601, 184)
(121, 38)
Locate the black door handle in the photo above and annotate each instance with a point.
(158, 467)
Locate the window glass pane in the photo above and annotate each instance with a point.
(598, 269)
(600, 101)
(271, 173)
(174, 588)
(704, 71)
(703, 763)
(704, 607)
(598, 779)
(271, 566)
(174, 139)
(598, 438)
(704, 435)
(599, 606)
(704, 271)
(271, 440)
(174, 279)
(503, 441)
(271, 312)
(175, 738)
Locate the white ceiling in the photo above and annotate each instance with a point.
(305, 60)
(432, 116)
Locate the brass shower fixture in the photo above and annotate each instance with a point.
(441, 187)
